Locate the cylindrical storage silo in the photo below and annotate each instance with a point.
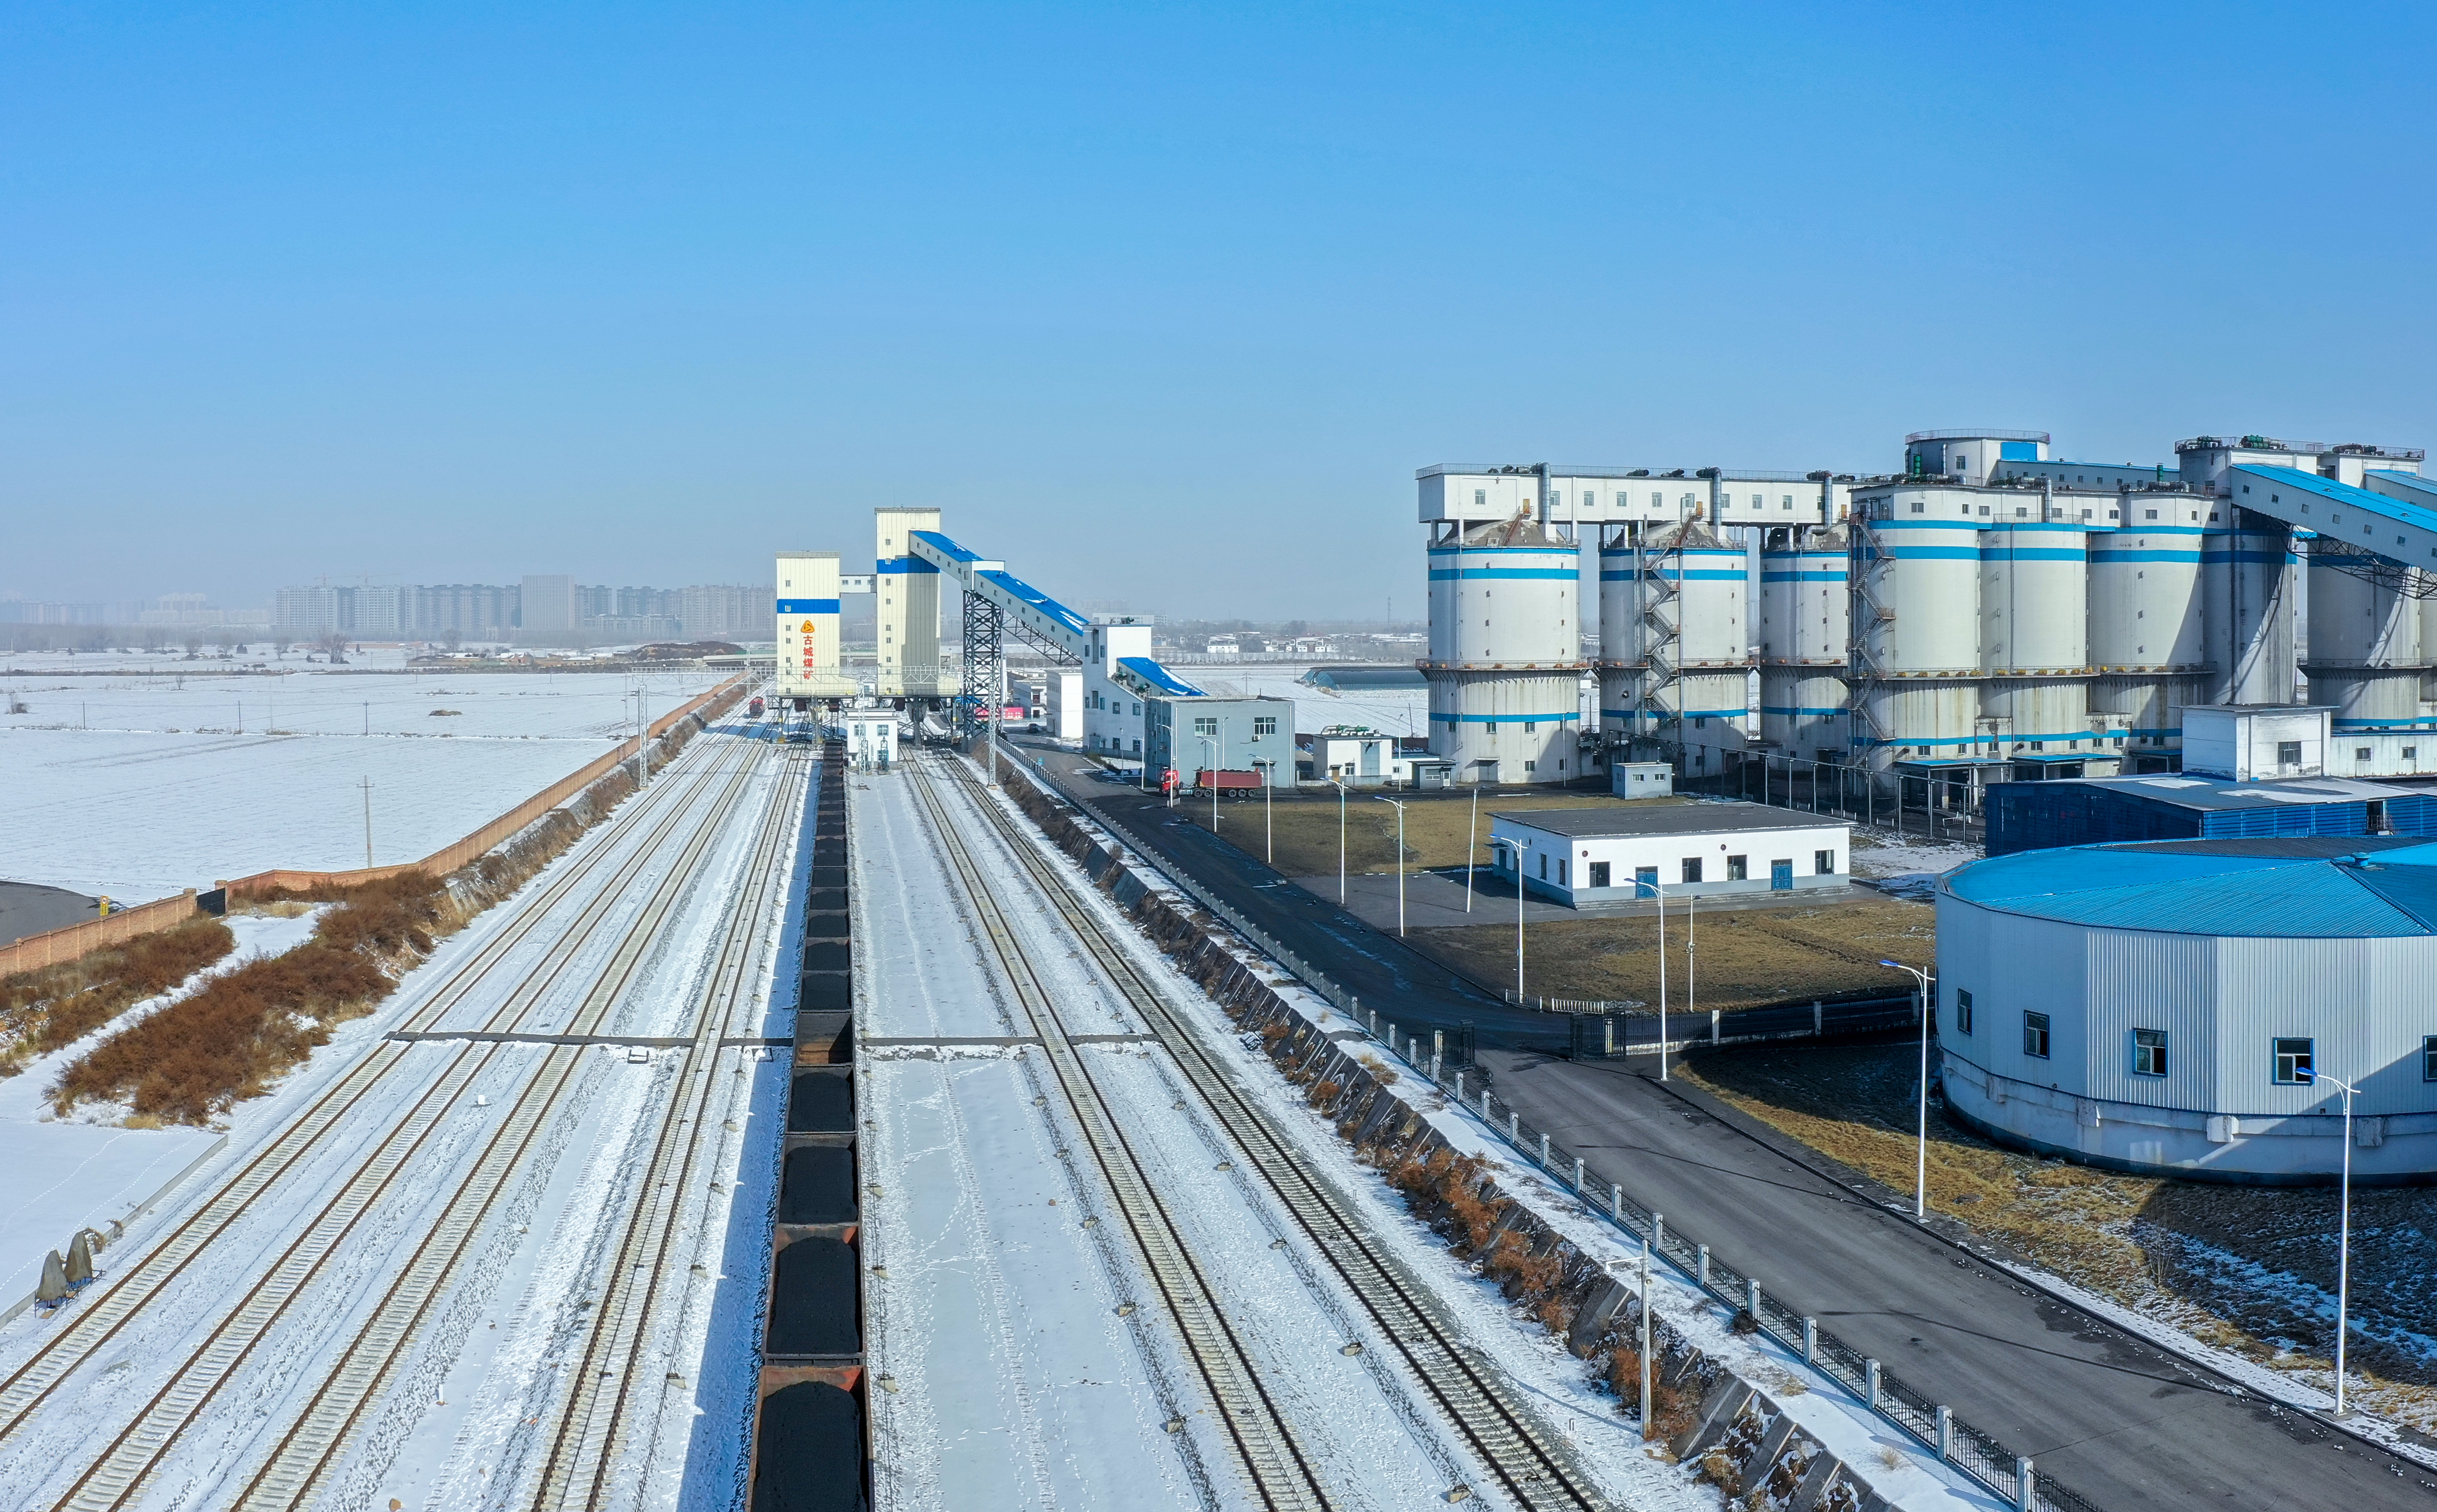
(2034, 637)
(1915, 607)
(2365, 653)
(2145, 616)
(1691, 636)
(1505, 652)
(1622, 712)
(1805, 611)
(2247, 580)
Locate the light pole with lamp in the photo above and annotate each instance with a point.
(1340, 838)
(1921, 1157)
(2344, 1230)
(1269, 833)
(1214, 780)
(1400, 806)
(1514, 848)
(1472, 846)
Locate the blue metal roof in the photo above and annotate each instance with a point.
(2299, 482)
(1160, 677)
(2187, 790)
(2388, 891)
(944, 546)
(1017, 588)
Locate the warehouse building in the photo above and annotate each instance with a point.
(2163, 1008)
(2110, 810)
(1615, 853)
(1195, 733)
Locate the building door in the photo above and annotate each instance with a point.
(1599, 874)
(1371, 758)
(1645, 881)
(1780, 876)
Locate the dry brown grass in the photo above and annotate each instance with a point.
(1304, 825)
(195, 1057)
(2178, 1251)
(49, 1009)
(1744, 957)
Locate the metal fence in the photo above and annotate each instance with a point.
(1975, 1452)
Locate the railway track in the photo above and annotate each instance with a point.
(695, 795)
(1262, 1440)
(315, 1441)
(1466, 1392)
(97, 1319)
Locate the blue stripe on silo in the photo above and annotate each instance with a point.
(2144, 556)
(1450, 574)
(2024, 554)
(1568, 716)
(808, 606)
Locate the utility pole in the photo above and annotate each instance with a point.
(367, 786)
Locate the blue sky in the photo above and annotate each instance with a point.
(1164, 303)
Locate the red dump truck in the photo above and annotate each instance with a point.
(1226, 781)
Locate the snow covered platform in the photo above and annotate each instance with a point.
(56, 1178)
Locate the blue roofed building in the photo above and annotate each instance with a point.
(2039, 815)
(2166, 1007)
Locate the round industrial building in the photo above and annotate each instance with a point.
(2187, 1007)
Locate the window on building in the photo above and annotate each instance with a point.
(1528, 766)
(1738, 868)
(1137, 708)
(1600, 873)
(1531, 727)
(1691, 868)
(2428, 1058)
(1265, 724)
(1657, 501)
(1758, 502)
(1962, 1012)
(2148, 515)
(1823, 862)
(2149, 1053)
(1561, 875)
(2035, 1035)
(1917, 507)
(1544, 868)
(2360, 752)
(2410, 752)
(2288, 753)
(1205, 724)
(1480, 498)
(1785, 501)
(2295, 1062)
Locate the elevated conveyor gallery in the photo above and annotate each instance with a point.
(2395, 517)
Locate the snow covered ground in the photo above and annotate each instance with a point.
(456, 1428)
(138, 786)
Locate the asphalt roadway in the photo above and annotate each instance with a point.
(2122, 1422)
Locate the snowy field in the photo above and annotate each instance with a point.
(456, 1426)
(136, 785)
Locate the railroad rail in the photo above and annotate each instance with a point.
(690, 794)
(1262, 1439)
(315, 1442)
(1465, 1390)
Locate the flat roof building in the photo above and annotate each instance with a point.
(1616, 854)
(2111, 811)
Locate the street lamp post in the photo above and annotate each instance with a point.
(1920, 1156)
(1398, 804)
(1340, 838)
(1472, 846)
(1214, 780)
(1515, 849)
(2344, 1232)
(1269, 832)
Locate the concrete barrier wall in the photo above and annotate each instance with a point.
(55, 946)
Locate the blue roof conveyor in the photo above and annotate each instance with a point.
(2396, 516)
(1035, 615)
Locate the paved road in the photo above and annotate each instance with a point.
(2118, 1420)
